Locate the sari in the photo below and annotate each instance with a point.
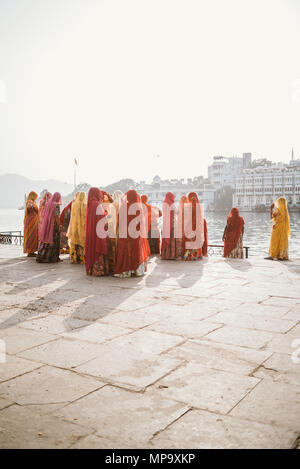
(180, 226)
(279, 243)
(30, 243)
(76, 230)
(50, 232)
(44, 200)
(153, 214)
(171, 244)
(96, 246)
(193, 229)
(133, 247)
(233, 235)
(64, 222)
(205, 244)
(113, 229)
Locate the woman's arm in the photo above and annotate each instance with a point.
(224, 234)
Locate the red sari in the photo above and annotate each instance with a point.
(132, 252)
(233, 235)
(192, 224)
(153, 214)
(96, 248)
(205, 244)
(171, 246)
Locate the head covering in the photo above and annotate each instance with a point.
(235, 224)
(114, 213)
(168, 219)
(132, 252)
(66, 212)
(169, 198)
(76, 231)
(45, 199)
(282, 207)
(94, 246)
(30, 201)
(46, 235)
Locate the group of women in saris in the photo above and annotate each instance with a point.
(96, 232)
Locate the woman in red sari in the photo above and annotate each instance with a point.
(153, 214)
(171, 245)
(43, 202)
(30, 243)
(133, 247)
(180, 226)
(64, 221)
(205, 244)
(96, 246)
(233, 235)
(194, 231)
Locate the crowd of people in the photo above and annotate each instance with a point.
(116, 234)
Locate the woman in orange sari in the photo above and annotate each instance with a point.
(193, 229)
(279, 244)
(233, 235)
(153, 214)
(96, 246)
(31, 218)
(133, 247)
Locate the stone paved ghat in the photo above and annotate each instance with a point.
(193, 355)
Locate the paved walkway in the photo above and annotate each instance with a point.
(196, 355)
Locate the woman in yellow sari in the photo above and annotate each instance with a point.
(280, 231)
(76, 230)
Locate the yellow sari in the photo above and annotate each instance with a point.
(281, 230)
(76, 230)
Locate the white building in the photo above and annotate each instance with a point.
(157, 190)
(257, 188)
(223, 171)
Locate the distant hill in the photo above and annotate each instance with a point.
(13, 187)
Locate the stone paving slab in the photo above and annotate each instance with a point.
(222, 357)
(206, 388)
(22, 428)
(269, 403)
(63, 353)
(191, 355)
(15, 366)
(123, 416)
(52, 388)
(200, 430)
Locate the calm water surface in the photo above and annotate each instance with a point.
(257, 229)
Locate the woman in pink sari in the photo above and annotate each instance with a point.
(50, 234)
(43, 202)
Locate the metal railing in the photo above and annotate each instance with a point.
(8, 237)
(213, 248)
(11, 238)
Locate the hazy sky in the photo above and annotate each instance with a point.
(117, 82)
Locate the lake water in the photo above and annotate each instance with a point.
(257, 229)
